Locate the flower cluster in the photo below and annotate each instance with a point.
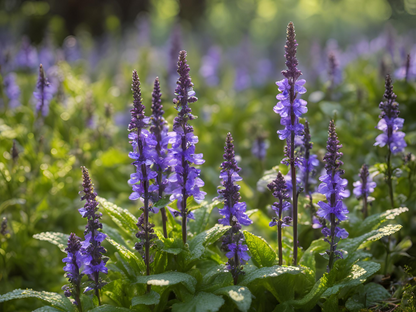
(44, 93)
(94, 262)
(308, 161)
(333, 187)
(27, 56)
(234, 212)
(74, 261)
(12, 90)
(185, 181)
(389, 122)
(366, 185)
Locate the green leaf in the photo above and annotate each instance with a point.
(109, 308)
(56, 238)
(55, 300)
(216, 278)
(241, 296)
(46, 309)
(201, 218)
(359, 274)
(169, 279)
(331, 304)
(369, 296)
(122, 217)
(261, 253)
(149, 298)
(161, 203)
(134, 265)
(308, 257)
(202, 302)
(198, 244)
(172, 245)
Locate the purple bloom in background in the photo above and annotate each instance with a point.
(74, 261)
(71, 49)
(210, 66)
(389, 122)
(12, 90)
(259, 147)
(333, 187)
(91, 248)
(408, 70)
(185, 181)
(27, 57)
(364, 187)
(280, 192)
(234, 212)
(242, 79)
(44, 94)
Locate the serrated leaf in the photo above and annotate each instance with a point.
(202, 302)
(217, 277)
(331, 304)
(47, 309)
(371, 294)
(359, 274)
(109, 308)
(56, 238)
(172, 245)
(308, 257)
(198, 244)
(122, 217)
(55, 300)
(261, 253)
(161, 203)
(134, 264)
(201, 218)
(241, 296)
(169, 279)
(149, 298)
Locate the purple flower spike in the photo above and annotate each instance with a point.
(280, 192)
(74, 261)
(185, 181)
(333, 187)
(91, 248)
(44, 93)
(27, 57)
(234, 212)
(364, 187)
(389, 122)
(12, 90)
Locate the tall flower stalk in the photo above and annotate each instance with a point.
(390, 124)
(159, 130)
(290, 107)
(279, 190)
(333, 187)
(91, 248)
(74, 261)
(185, 181)
(234, 212)
(364, 187)
(143, 153)
(43, 95)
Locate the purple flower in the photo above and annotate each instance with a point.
(91, 249)
(74, 261)
(12, 90)
(389, 122)
(210, 66)
(234, 211)
(44, 94)
(259, 148)
(365, 186)
(185, 181)
(27, 57)
(333, 187)
(308, 162)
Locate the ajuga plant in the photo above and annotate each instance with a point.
(43, 95)
(185, 181)
(159, 131)
(279, 190)
(233, 212)
(390, 124)
(91, 249)
(143, 154)
(74, 261)
(290, 107)
(364, 187)
(333, 187)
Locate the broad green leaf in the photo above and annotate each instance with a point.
(261, 253)
(122, 217)
(114, 235)
(47, 309)
(172, 245)
(359, 274)
(374, 221)
(161, 203)
(201, 218)
(202, 302)
(371, 294)
(135, 263)
(56, 238)
(169, 279)
(198, 244)
(149, 298)
(216, 278)
(55, 300)
(308, 257)
(109, 308)
(240, 295)
(331, 304)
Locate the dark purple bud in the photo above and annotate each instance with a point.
(292, 73)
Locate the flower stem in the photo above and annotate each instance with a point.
(331, 248)
(162, 210)
(294, 199)
(389, 180)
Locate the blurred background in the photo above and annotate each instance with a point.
(235, 50)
